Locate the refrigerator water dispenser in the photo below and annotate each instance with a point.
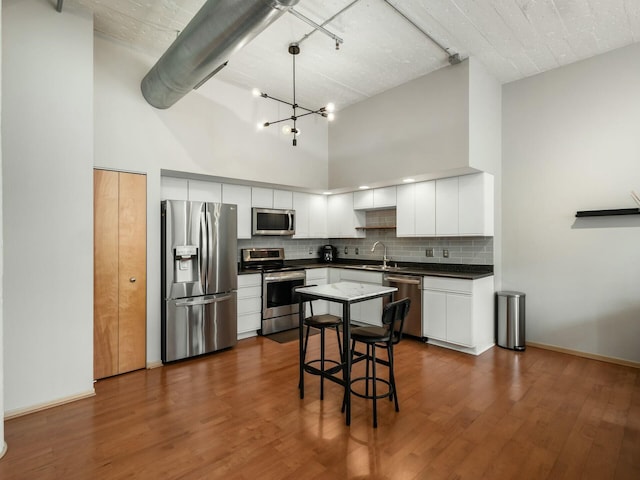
(185, 263)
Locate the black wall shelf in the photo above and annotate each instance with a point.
(603, 213)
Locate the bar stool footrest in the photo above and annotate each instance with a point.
(387, 393)
(309, 368)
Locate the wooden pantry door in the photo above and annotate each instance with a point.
(119, 310)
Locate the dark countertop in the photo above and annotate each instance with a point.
(451, 270)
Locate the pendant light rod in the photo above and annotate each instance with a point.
(59, 6)
(454, 58)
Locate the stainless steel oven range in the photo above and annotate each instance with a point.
(279, 306)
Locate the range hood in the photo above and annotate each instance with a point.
(218, 30)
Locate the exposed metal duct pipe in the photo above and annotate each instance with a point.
(59, 6)
(218, 30)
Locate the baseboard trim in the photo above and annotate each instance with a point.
(152, 365)
(4, 449)
(44, 406)
(592, 356)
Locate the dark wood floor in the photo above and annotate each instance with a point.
(236, 415)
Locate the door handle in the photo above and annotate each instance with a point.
(132, 279)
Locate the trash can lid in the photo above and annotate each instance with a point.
(508, 293)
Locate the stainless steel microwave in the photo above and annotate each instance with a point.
(270, 221)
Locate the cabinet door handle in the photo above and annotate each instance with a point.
(132, 279)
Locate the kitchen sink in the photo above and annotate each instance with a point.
(381, 268)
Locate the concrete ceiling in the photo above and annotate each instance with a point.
(513, 39)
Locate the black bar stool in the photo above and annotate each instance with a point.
(321, 322)
(386, 336)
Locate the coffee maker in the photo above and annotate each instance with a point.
(328, 253)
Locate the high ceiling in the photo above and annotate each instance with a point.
(513, 39)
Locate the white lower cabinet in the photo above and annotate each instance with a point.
(458, 313)
(317, 276)
(368, 312)
(249, 305)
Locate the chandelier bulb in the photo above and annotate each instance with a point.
(255, 92)
(286, 129)
(331, 116)
(330, 107)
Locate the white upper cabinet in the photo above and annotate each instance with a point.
(384, 197)
(342, 220)
(456, 206)
(317, 216)
(283, 199)
(241, 196)
(172, 188)
(475, 205)
(374, 198)
(363, 199)
(201, 191)
(415, 214)
(262, 197)
(270, 198)
(311, 215)
(447, 206)
(425, 208)
(406, 211)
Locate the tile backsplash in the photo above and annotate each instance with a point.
(467, 250)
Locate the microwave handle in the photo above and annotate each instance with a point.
(291, 221)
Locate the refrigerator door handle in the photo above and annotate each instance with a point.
(210, 253)
(203, 301)
(204, 253)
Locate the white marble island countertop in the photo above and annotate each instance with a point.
(347, 291)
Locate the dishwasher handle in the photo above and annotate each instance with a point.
(403, 279)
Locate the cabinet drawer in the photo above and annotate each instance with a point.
(249, 280)
(360, 276)
(448, 284)
(248, 292)
(249, 322)
(317, 274)
(249, 305)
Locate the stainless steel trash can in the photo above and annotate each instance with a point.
(510, 320)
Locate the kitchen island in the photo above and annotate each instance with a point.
(345, 293)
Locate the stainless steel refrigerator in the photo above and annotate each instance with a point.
(199, 278)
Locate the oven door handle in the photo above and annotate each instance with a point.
(283, 277)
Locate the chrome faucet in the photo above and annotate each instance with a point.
(384, 256)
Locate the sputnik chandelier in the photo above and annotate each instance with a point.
(326, 111)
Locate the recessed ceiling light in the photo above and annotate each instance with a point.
(326, 193)
(409, 180)
(363, 187)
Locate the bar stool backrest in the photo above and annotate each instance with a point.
(296, 297)
(393, 317)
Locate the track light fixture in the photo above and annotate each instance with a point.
(327, 111)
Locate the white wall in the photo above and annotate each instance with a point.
(47, 135)
(419, 127)
(571, 142)
(3, 445)
(485, 144)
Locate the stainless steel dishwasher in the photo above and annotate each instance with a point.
(409, 286)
